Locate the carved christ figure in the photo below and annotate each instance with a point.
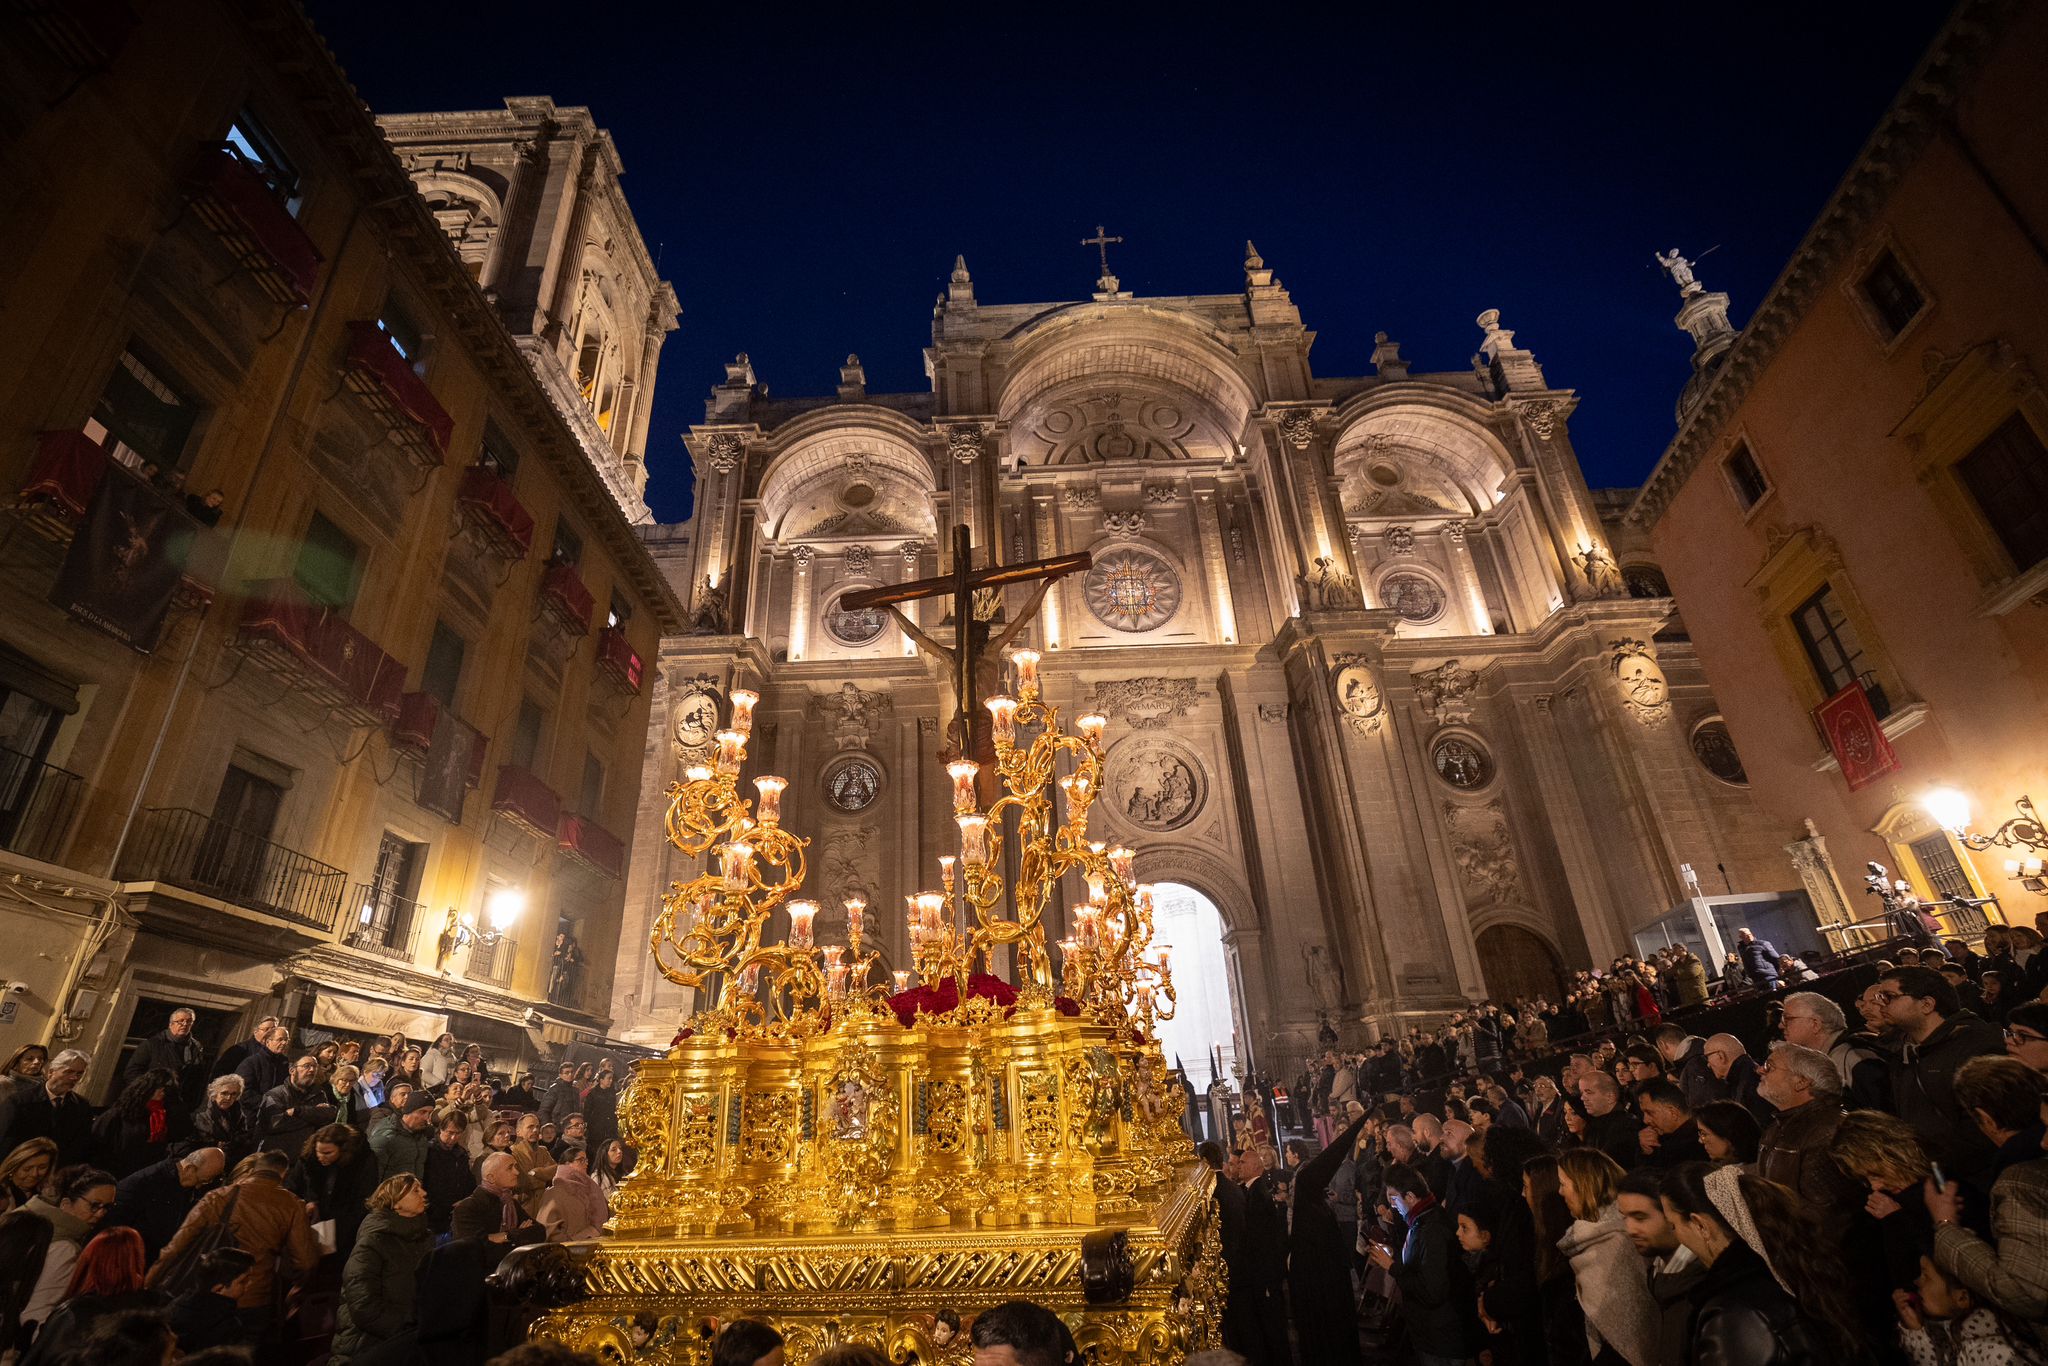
(986, 656)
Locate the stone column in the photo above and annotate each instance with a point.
(800, 558)
(1816, 871)
(1573, 833)
(1479, 620)
(1214, 561)
(1046, 527)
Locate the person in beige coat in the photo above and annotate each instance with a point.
(574, 1208)
(1612, 1279)
(536, 1164)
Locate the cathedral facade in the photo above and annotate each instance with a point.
(1386, 682)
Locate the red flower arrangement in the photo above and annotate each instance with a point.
(938, 1000)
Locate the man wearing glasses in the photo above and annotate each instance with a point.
(74, 1202)
(2026, 1035)
(1813, 1021)
(1936, 1037)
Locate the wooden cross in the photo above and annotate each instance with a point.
(971, 645)
(1102, 245)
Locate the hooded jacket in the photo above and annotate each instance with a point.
(378, 1284)
(573, 1208)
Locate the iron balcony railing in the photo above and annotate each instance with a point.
(491, 960)
(186, 849)
(384, 921)
(38, 802)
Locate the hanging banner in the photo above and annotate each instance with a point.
(451, 754)
(360, 1015)
(1854, 735)
(125, 563)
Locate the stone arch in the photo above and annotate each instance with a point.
(470, 211)
(1447, 435)
(1517, 959)
(1167, 861)
(801, 486)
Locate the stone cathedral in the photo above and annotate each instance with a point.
(1388, 685)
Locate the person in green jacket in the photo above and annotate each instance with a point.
(377, 1286)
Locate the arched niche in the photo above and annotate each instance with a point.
(1438, 442)
(1515, 960)
(847, 483)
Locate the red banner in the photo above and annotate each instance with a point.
(123, 567)
(1855, 737)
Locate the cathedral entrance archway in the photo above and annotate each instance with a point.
(1518, 962)
(1187, 924)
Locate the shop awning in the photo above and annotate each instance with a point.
(363, 1015)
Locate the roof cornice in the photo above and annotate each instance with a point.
(1916, 114)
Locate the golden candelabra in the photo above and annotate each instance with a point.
(845, 1154)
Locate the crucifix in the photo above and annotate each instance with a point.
(973, 659)
(1102, 245)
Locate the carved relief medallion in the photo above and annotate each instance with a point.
(852, 784)
(1155, 782)
(1445, 692)
(1462, 762)
(1645, 696)
(1132, 590)
(855, 628)
(1358, 695)
(1413, 597)
(723, 451)
(1714, 747)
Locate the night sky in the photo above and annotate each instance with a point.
(808, 175)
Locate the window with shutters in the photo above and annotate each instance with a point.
(2007, 475)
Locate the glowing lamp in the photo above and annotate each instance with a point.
(801, 915)
(743, 710)
(770, 806)
(1950, 808)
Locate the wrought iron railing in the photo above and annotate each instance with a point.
(186, 849)
(385, 922)
(491, 960)
(38, 802)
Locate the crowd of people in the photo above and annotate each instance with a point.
(287, 1203)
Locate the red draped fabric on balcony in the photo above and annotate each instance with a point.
(371, 354)
(489, 500)
(418, 714)
(525, 800)
(564, 597)
(591, 845)
(232, 199)
(331, 662)
(65, 472)
(618, 659)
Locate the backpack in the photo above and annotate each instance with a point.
(183, 1274)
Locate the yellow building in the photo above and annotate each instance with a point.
(385, 742)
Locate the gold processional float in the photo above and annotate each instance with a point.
(843, 1156)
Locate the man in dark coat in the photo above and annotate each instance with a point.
(233, 1055)
(494, 1207)
(450, 1176)
(562, 1099)
(1240, 1315)
(1319, 1260)
(1670, 1136)
(155, 1200)
(1796, 1150)
(174, 1050)
(53, 1109)
(1609, 1125)
(1759, 959)
(1935, 1039)
(1685, 1062)
(1265, 1250)
(289, 1114)
(265, 1068)
(1436, 1289)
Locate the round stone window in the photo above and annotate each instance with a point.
(1714, 747)
(1132, 590)
(1413, 597)
(852, 784)
(861, 627)
(1461, 762)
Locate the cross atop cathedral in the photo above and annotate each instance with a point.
(1102, 243)
(973, 658)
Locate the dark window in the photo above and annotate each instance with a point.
(327, 564)
(621, 612)
(398, 325)
(1645, 581)
(249, 139)
(248, 802)
(526, 735)
(1892, 294)
(593, 785)
(2008, 476)
(387, 913)
(1746, 476)
(444, 665)
(498, 455)
(144, 416)
(568, 545)
(1938, 862)
(1833, 649)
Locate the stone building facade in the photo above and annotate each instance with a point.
(1858, 490)
(1387, 683)
(389, 739)
(530, 197)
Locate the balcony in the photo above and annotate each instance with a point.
(325, 660)
(62, 479)
(488, 508)
(229, 197)
(491, 960)
(418, 714)
(185, 849)
(527, 802)
(385, 922)
(591, 845)
(618, 662)
(38, 802)
(415, 420)
(565, 600)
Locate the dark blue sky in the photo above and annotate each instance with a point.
(807, 175)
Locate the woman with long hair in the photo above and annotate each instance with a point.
(1564, 1322)
(24, 1243)
(1775, 1292)
(1728, 1132)
(613, 1165)
(1613, 1287)
(106, 1280)
(23, 1171)
(23, 1069)
(141, 1124)
(334, 1174)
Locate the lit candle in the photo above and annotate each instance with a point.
(770, 807)
(2012, 868)
(973, 839)
(1145, 897)
(963, 771)
(931, 911)
(856, 914)
(835, 980)
(743, 710)
(1122, 861)
(1098, 894)
(1165, 960)
(736, 862)
(801, 914)
(1027, 673)
(1145, 999)
(946, 862)
(1091, 726)
(697, 773)
(1003, 712)
(902, 976)
(732, 751)
(831, 954)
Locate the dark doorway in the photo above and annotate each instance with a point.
(215, 1029)
(234, 854)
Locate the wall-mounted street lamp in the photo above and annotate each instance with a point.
(2024, 831)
